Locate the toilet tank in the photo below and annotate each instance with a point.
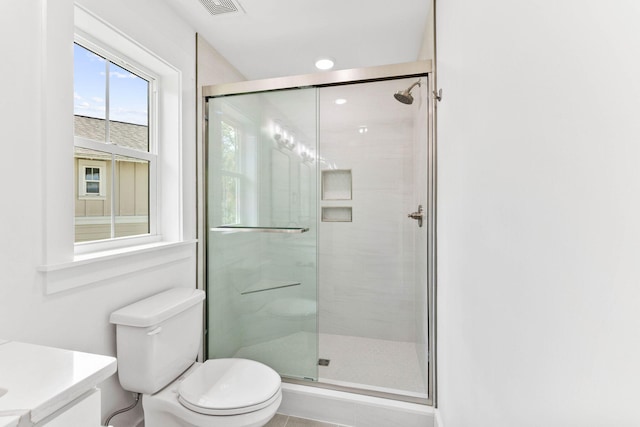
(158, 338)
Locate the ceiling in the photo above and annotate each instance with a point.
(273, 38)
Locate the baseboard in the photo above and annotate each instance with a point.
(354, 410)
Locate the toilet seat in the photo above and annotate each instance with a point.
(229, 387)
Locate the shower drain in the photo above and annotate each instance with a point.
(323, 362)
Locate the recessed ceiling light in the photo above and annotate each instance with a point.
(363, 129)
(324, 64)
(340, 101)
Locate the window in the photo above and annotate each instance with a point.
(142, 181)
(91, 176)
(92, 181)
(114, 147)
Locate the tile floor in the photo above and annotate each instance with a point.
(286, 421)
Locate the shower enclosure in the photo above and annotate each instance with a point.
(319, 236)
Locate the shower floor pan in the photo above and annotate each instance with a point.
(355, 362)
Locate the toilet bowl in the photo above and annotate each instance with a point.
(158, 339)
(220, 392)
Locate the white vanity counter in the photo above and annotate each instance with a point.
(36, 381)
(9, 421)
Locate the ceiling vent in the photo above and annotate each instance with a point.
(220, 7)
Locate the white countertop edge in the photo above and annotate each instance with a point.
(9, 420)
(73, 392)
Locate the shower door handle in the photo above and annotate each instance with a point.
(289, 230)
(417, 215)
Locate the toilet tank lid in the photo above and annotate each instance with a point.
(157, 308)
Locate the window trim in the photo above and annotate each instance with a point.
(62, 266)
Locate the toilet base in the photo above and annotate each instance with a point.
(163, 409)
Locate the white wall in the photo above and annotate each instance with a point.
(38, 67)
(538, 198)
(427, 50)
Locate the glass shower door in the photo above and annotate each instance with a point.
(262, 239)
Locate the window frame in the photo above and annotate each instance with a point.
(150, 156)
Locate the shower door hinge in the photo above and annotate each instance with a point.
(438, 95)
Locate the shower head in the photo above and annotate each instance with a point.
(404, 96)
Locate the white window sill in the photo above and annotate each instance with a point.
(87, 269)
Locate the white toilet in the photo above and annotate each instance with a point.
(158, 340)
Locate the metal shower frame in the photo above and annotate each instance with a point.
(334, 78)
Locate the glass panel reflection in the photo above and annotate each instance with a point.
(262, 284)
(230, 148)
(229, 200)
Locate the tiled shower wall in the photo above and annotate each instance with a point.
(366, 266)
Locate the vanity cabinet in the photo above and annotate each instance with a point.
(51, 387)
(84, 411)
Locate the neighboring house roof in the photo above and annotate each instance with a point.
(123, 134)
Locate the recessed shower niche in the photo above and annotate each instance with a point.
(337, 214)
(336, 184)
